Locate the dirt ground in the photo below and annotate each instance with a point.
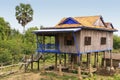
(22, 76)
(49, 75)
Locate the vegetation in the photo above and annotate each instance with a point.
(13, 45)
(116, 42)
(4, 29)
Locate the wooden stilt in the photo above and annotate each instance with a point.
(79, 69)
(111, 62)
(90, 66)
(43, 41)
(104, 60)
(87, 60)
(72, 62)
(60, 68)
(80, 59)
(69, 59)
(43, 63)
(95, 59)
(56, 61)
(38, 64)
(79, 73)
(65, 59)
(56, 57)
(90, 70)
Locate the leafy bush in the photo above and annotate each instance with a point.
(116, 77)
(5, 56)
(116, 42)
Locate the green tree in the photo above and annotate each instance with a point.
(4, 29)
(24, 14)
(5, 56)
(30, 37)
(116, 42)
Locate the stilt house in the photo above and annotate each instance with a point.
(76, 36)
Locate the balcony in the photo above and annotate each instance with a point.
(48, 48)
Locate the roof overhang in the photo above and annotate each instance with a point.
(56, 30)
(101, 29)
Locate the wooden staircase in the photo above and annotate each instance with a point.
(27, 61)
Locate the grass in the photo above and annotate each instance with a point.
(54, 76)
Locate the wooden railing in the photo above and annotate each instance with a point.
(48, 48)
(9, 69)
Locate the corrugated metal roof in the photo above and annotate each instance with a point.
(56, 30)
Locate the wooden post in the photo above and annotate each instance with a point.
(90, 66)
(80, 59)
(60, 68)
(95, 59)
(55, 61)
(111, 61)
(12, 65)
(1, 65)
(79, 73)
(56, 57)
(79, 69)
(69, 59)
(25, 65)
(32, 62)
(72, 62)
(38, 64)
(104, 60)
(43, 63)
(65, 59)
(90, 70)
(87, 60)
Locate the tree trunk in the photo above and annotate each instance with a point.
(23, 29)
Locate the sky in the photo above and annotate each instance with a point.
(49, 12)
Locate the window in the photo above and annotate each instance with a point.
(68, 40)
(103, 40)
(87, 41)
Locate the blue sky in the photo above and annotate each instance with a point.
(49, 12)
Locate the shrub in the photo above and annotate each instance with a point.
(5, 56)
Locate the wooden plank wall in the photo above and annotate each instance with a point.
(68, 49)
(95, 40)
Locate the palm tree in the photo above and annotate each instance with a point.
(24, 14)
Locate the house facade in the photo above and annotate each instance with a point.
(94, 35)
(77, 35)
